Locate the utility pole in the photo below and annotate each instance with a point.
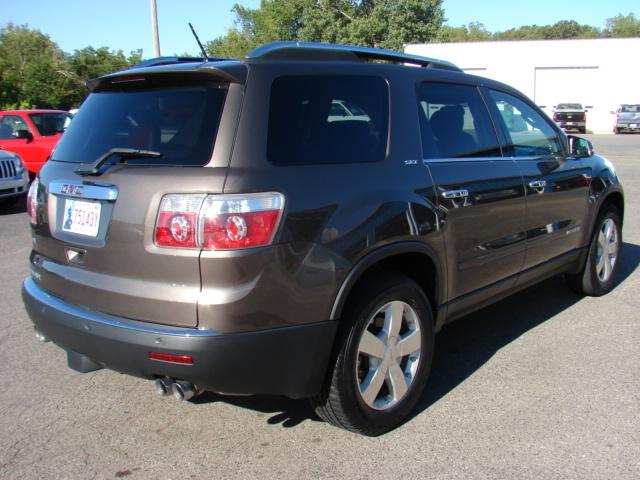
(154, 28)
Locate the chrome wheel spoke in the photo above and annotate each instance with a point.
(370, 387)
(600, 263)
(393, 319)
(398, 381)
(371, 345)
(410, 343)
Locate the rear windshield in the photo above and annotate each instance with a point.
(630, 108)
(178, 122)
(49, 124)
(328, 119)
(569, 106)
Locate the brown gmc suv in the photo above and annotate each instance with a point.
(303, 221)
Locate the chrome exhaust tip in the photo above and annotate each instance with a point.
(40, 336)
(184, 390)
(163, 386)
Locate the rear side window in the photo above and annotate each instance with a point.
(455, 122)
(327, 119)
(49, 124)
(178, 122)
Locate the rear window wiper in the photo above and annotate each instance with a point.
(124, 153)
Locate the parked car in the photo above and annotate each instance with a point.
(627, 118)
(32, 134)
(14, 178)
(571, 116)
(219, 226)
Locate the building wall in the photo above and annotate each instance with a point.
(600, 73)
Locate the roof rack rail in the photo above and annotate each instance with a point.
(154, 62)
(329, 51)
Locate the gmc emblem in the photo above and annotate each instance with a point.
(71, 190)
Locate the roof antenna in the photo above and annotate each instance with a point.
(204, 52)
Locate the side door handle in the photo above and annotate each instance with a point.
(538, 185)
(453, 194)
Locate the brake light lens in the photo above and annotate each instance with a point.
(218, 222)
(584, 117)
(555, 117)
(32, 201)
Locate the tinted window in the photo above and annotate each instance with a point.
(50, 123)
(327, 119)
(9, 125)
(528, 133)
(630, 108)
(569, 106)
(455, 122)
(180, 123)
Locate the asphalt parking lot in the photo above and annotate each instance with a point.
(544, 384)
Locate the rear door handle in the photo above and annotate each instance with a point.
(452, 194)
(538, 185)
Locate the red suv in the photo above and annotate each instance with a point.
(32, 134)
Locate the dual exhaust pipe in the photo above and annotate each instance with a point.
(180, 389)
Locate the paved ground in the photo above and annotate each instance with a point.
(542, 385)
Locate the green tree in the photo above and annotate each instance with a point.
(474, 32)
(29, 69)
(622, 26)
(375, 23)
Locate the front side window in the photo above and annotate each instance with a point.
(454, 122)
(316, 119)
(10, 124)
(49, 124)
(528, 133)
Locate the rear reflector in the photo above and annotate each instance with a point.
(218, 222)
(166, 357)
(32, 201)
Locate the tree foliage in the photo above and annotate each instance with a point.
(622, 26)
(375, 23)
(36, 73)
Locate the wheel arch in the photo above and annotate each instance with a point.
(414, 259)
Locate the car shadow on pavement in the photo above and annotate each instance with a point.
(462, 347)
(465, 345)
(20, 206)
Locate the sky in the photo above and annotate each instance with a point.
(125, 24)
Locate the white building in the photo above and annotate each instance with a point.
(600, 73)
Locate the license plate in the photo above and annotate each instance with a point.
(569, 123)
(81, 217)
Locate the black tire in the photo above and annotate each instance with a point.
(589, 281)
(616, 130)
(582, 130)
(340, 401)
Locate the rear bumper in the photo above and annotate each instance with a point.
(287, 361)
(571, 124)
(628, 127)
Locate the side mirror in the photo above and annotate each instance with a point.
(580, 147)
(612, 112)
(23, 134)
(588, 106)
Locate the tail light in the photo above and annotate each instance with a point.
(584, 117)
(32, 201)
(218, 222)
(555, 117)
